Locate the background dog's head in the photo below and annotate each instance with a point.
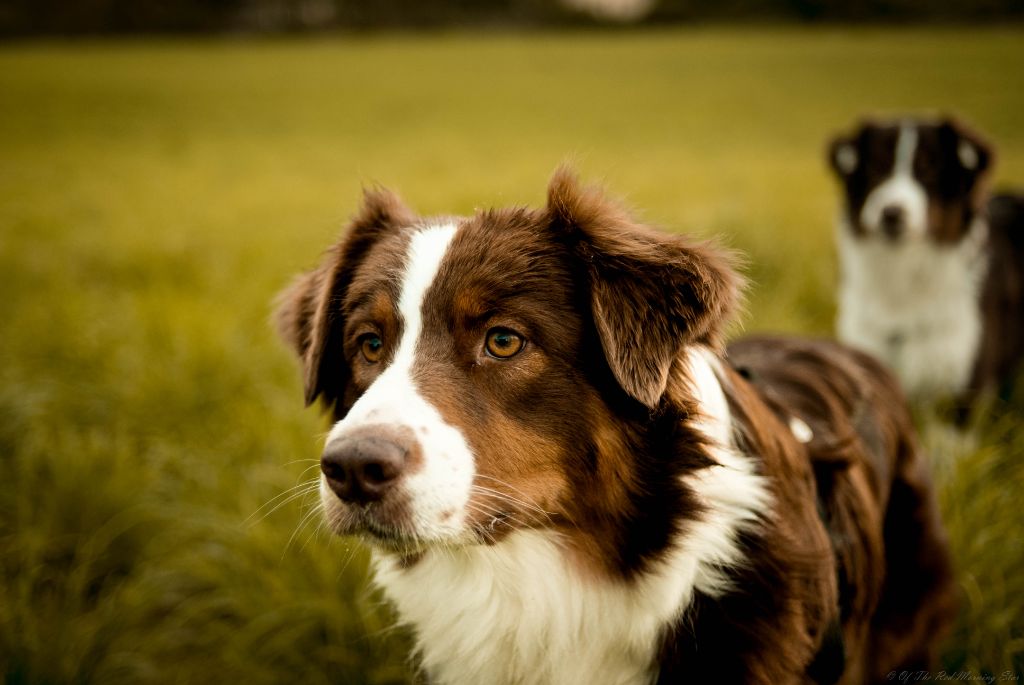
(911, 178)
(478, 369)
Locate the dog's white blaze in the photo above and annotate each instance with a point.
(439, 490)
(901, 189)
(521, 611)
(915, 305)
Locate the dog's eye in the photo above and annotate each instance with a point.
(372, 347)
(503, 343)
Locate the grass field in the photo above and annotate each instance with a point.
(155, 196)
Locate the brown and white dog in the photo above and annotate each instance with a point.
(932, 270)
(563, 479)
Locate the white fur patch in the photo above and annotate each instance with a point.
(901, 190)
(735, 495)
(915, 305)
(800, 430)
(520, 611)
(442, 485)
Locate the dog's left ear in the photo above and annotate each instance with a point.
(651, 293)
(295, 309)
(309, 313)
(967, 155)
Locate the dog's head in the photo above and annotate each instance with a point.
(490, 373)
(911, 179)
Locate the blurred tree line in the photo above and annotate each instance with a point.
(84, 17)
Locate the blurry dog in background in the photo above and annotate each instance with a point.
(565, 479)
(932, 269)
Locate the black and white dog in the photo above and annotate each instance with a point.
(932, 270)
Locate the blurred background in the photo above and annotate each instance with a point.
(166, 167)
(78, 17)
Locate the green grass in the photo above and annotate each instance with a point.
(155, 196)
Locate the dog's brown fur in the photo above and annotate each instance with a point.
(896, 592)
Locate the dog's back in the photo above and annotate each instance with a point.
(1003, 296)
(871, 476)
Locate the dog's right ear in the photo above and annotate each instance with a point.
(310, 315)
(651, 293)
(846, 153)
(843, 156)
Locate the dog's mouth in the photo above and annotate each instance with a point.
(380, 529)
(390, 538)
(398, 538)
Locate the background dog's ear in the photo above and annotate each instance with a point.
(847, 153)
(651, 293)
(967, 155)
(844, 155)
(309, 313)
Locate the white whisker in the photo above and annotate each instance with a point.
(291, 494)
(315, 509)
(514, 500)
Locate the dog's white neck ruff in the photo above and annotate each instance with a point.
(521, 611)
(915, 304)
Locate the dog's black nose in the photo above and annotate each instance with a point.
(361, 470)
(892, 220)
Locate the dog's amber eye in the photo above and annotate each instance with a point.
(372, 347)
(504, 343)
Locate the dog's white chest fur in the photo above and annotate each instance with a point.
(516, 614)
(915, 305)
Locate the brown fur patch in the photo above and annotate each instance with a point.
(895, 579)
(1001, 357)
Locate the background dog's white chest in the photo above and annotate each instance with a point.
(915, 306)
